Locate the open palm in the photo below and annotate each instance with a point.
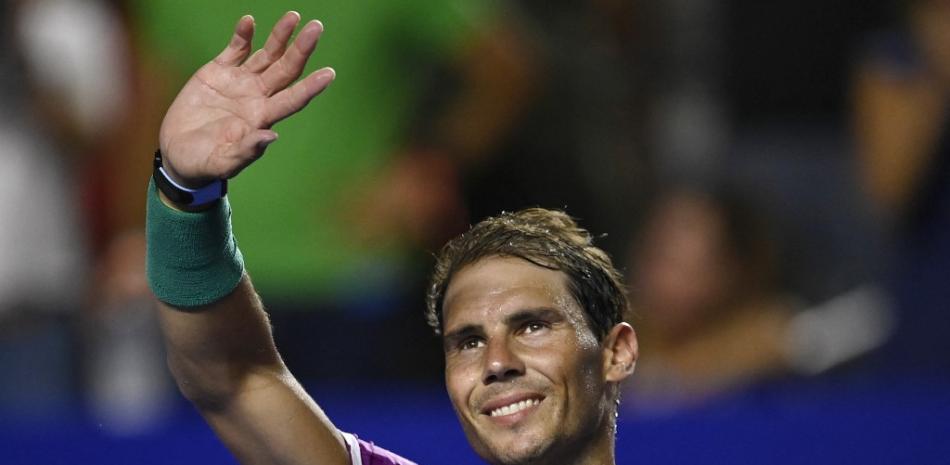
(220, 121)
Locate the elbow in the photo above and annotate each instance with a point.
(207, 388)
(215, 388)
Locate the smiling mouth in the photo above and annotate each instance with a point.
(514, 407)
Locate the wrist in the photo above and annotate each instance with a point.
(177, 195)
(192, 259)
(182, 208)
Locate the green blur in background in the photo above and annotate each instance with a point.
(290, 206)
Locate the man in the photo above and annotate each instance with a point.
(531, 312)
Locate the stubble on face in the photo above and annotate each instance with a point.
(523, 369)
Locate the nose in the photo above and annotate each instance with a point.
(501, 363)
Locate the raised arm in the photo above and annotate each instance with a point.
(219, 342)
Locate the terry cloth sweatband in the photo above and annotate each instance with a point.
(191, 259)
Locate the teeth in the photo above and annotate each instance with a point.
(514, 408)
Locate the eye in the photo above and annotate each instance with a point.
(471, 343)
(532, 327)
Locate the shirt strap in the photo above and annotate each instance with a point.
(353, 447)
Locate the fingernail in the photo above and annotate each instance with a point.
(267, 140)
(315, 24)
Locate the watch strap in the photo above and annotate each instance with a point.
(182, 195)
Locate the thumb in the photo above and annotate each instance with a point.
(250, 148)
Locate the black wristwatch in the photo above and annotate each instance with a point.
(182, 195)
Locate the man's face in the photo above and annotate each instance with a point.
(523, 369)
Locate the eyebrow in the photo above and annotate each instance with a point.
(453, 338)
(515, 319)
(541, 313)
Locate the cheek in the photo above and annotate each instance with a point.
(571, 361)
(582, 370)
(592, 375)
(585, 393)
(460, 380)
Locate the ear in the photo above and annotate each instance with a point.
(620, 353)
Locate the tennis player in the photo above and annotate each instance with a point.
(529, 311)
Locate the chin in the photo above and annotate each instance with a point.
(523, 448)
(510, 457)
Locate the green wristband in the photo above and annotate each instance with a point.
(191, 259)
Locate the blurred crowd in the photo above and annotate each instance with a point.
(772, 177)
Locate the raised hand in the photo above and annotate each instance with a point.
(220, 121)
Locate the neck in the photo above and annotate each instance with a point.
(601, 451)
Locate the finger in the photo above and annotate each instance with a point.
(288, 68)
(276, 43)
(240, 44)
(294, 98)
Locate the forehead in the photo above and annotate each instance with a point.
(494, 286)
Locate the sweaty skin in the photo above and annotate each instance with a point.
(526, 375)
(222, 355)
(515, 336)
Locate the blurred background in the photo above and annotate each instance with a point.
(773, 177)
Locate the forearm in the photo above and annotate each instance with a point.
(219, 342)
(225, 362)
(214, 325)
(215, 351)
(222, 352)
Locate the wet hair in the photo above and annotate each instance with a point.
(547, 238)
